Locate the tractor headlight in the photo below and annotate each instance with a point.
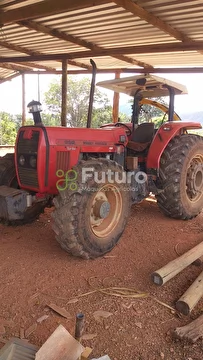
(33, 161)
(22, 160)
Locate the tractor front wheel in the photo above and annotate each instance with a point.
(181, 177)
(7, 171)
(91, 215)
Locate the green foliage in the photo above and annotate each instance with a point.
(8, 129)
(158, 121)
(124, 118)
(151, 113)
(77, 104)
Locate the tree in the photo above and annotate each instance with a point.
(152, 113)
(77, 104)
(149, 112)
(8, 129)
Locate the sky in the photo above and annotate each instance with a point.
(11, 95)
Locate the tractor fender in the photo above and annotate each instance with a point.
(163, 136)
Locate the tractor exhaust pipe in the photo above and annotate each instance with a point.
(92, 89)
(35, 107)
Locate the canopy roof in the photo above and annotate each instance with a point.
(153, 86)
(138, 35)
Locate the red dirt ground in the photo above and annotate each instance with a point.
(35, 271)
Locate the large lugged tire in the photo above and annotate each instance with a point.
(8, 177)
(181, 177)
(90, 218)
(7, 171)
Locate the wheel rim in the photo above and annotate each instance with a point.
(194, 180)
(106, 209)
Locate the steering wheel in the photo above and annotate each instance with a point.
(126, 126)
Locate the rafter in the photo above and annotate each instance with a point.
(25, 50)
(152, 19)
(34, 65)
(15, 67)
(9, 78)
(184, 70)
(76, 40)
(45, 8)
(177, 47)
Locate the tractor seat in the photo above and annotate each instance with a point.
(141, 137)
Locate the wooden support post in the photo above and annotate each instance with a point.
(173, 268)
(23, 101)
(116, 101)
(191, 297)
(64, 93)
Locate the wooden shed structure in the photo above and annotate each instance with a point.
(43, 36)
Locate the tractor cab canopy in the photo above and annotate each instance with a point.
(147, 85)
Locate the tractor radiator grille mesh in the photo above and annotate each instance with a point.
(28, 177)
(62, 160)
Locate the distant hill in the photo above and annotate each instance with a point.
(126, 109)
(196, 116)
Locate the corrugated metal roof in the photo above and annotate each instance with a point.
(35, 27)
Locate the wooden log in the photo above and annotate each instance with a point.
(198, 262)
(173, 268)
(192, 331)
(191, 297)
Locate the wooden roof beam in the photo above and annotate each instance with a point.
(143, 49)
(30, 52)
(9, 78)
(24, 50)
(15, 67)
(76, 40)
(34, 65)
(45, 8)
(152, 19)
(79, 64)
(182, 70)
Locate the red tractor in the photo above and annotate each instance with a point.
(95, 175)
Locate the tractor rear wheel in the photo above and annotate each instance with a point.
(8, 177)
(90, 216)
(181, 177)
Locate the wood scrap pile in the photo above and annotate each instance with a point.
(195, 292)
(194, 330)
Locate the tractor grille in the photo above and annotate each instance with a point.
(28, 177)
(28, 147)
(62, 160)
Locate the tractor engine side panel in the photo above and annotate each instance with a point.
(49, 152)
(68, 145)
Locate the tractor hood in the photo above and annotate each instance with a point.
(149, 85)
